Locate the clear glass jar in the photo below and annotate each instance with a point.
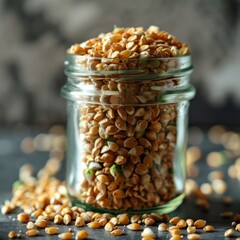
(127, 132)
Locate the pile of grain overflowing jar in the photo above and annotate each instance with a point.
(127, 95)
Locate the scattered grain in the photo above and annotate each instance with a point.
(190, 222)
(79, 222)
(176, 237)
(162, 227)
(94, 225)
(134, 226)
(114, 221)
(238, 227)
(82, 234)
(200, 223)
(181, 223)
(109, 226)
(6, 209)
(30, 225)
(65, 236)
(58, 219)
(41, 223)
(194, 236)
(191, 229)
(149, 221)
(67, 219)
(23, 217)
(32, 232)
(37, 213)
(123, 219)
(12, 234)
(148, 232)
(51, 230)
(175, 231)
(135, 218)
(229, 233)
(208, 228)
(174, 220)
(117, 232)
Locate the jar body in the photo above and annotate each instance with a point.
(126, 141)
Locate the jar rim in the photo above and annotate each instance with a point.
(82, 65)
(74, 56)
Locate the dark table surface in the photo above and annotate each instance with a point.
(12, 158)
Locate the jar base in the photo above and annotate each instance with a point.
(162, 209)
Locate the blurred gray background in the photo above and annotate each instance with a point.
(34, 36)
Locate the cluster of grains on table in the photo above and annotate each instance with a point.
(128, 141)
(45, 206)
(43, 203)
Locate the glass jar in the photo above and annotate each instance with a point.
(127, 132)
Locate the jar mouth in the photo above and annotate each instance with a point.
(162, 80)
(71, 55)
(78, 65)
